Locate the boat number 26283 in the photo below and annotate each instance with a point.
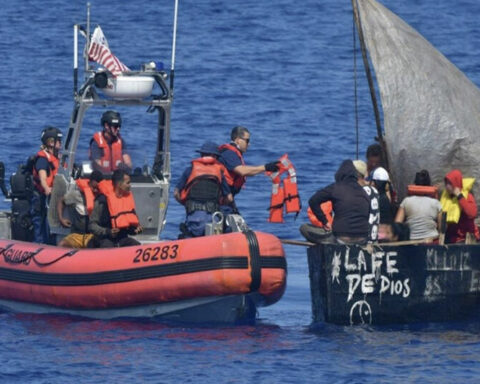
(154, 254)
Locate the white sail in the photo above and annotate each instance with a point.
(431, 109)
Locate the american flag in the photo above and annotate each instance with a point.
(100, 53)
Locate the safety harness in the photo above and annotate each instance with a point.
(284, 191)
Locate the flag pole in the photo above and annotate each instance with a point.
(174, 43)
(88, 40)
(75, 59)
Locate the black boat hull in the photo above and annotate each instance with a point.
(394, 284)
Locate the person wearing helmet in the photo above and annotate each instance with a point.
(45, 168)
(107, 148)
(202, 188)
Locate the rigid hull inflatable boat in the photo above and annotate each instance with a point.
(221, 278)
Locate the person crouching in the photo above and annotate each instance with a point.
(113, 217)
(202, 188)
(351, 206)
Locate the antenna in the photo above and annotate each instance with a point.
(75, 59)
(174, 44)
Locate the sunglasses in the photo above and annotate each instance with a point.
(246, 140)
(115, 126)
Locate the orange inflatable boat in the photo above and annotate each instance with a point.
(221, 278)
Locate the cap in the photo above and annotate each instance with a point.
(209, 148)
(380, 174)
(361, 167)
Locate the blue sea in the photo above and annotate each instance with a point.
(282, 68)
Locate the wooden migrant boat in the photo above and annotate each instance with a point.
(428, 104)
(220, 278)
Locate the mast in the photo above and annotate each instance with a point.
(371, 85)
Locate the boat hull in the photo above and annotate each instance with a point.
(394, 284)
(221, 278)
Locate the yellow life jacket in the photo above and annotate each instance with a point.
(450, 203)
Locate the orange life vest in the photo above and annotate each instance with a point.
(84, 187)
(53, 163)
(327, 209)
(204, 168)
(112, 154)
(121, 209)
(285, 195)
(422, 190)
(234, 179)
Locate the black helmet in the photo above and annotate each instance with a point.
(111, 117)
(51, 133)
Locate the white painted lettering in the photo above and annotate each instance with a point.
(368, 284)
(385, 284)
(349, 267)
(353, 282)
(361, 262)
(406, 286)
(391, 263)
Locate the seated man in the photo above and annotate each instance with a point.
(107, 148)
(459, 204)
(351, 206)
(202, 189)
(381, 182)
(113, 217)
(80, 200)
(421, 210)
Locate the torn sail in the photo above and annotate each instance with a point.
(431, 109)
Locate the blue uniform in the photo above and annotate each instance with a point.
(38, 208)
(195, 221)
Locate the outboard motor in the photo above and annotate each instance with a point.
(21, 184)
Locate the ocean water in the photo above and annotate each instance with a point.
(284, 69)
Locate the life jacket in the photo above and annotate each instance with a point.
(121, 209)
(203, 168)
(285, 195)
(234, 179)
(450, 203)
(53, 163)
(327, 209)
(112, 153)
(423, 190)
(84, 187)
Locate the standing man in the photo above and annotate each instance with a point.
(81, 201)
(375, 159)
(107, 148)
(202, 189)
(113, 217)
(231, 155)
(45, 168)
